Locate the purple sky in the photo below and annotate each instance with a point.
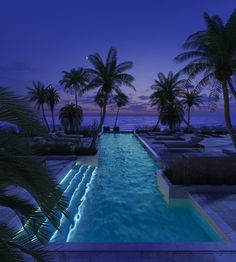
(42, 38)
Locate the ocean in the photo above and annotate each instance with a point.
(130, 122)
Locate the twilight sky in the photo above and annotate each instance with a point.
(41, 38)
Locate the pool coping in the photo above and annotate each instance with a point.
(173, 192)
(198, 247)
(142, 246)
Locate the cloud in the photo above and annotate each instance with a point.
(16, 67)
(143, 97)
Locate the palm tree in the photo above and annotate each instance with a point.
(29, 175)
(53, 98)
(166, 89)
(71, 117)
(172, 114)
(38, 95)
(212, 52)
(100, 100)
(120, 100)
(191, 98)
(108, 77)
(74, 81)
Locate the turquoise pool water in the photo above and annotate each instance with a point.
(118, 201)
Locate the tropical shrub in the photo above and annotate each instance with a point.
(23, 170)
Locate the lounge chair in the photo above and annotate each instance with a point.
(192, 143)
(160, 133)
(229, 152)
(176, 136)
(106, 129)
(116, 129)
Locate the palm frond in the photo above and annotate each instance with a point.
(14, 110)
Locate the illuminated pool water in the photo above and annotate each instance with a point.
(118, 201)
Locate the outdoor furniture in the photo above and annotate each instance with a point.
(192, 143)
(176, 136)
(229, 152)
(106, 129)
(116, 128)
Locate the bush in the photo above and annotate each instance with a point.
(202, 171)
(52, 149)
(85, 151)
(144, 129)
(62, 149)
(89, 130)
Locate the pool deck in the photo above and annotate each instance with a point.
(212, 145)
(220, 207)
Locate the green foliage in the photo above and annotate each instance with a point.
(52, 149)
(107, 77)
(89, 130)
(85, 151)
(74, 81)
(26, 172)
(71, 117)
(13, 109)
(167, 90)
(208, 171)
(172, 114)
(210, 54)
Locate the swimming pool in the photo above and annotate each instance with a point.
(118, 201)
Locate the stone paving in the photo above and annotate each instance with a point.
(212, 145)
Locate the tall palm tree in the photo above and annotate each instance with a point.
(120, 100)
(71, 117)
(172, 114)
(38, 95)
(53, 98)
(74, 81)
(166, 89)
(108, 77)
(212, 52)
(29, 175)
(191, 98)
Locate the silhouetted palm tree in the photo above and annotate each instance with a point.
(100, 100)
(71, 117)
(38, 95)
(108, 76)
(172, 114)
(212, 53)
(29, 175)
(191, 98)
(74, 81)
(166, 89)
(120, 100)
(53, 98)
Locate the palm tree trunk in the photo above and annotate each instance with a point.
(53, 122)
(188, 119)
(227, 113)
(93, 143)
(117, 113)
(76, 97)
(45, 119)
(233, 91)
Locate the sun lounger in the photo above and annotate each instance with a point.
(192, 143)
(106, 129)
(229, 152)
(161, 133)
(176, 136)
